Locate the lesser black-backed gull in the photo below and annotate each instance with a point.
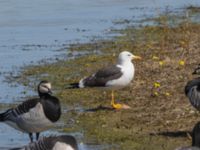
(113, 77)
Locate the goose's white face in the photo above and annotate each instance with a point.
(127, 56)
(45, 87)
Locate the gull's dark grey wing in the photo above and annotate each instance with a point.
(192, 91)
(104, 75)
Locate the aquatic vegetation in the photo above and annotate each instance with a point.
(193, 9)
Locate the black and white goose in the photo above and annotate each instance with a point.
(192, 90)
(62, 142)
(195, 139)
(112, 77)
(34, 115)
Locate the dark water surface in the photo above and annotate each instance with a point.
(31, 31)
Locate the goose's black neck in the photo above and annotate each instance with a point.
(44, 95)
(51, 106)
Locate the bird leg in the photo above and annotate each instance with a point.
(115, 106)
(31, 137)
(37, 135)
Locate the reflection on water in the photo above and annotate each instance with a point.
(34, 30)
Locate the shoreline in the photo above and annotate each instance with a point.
(169, 55)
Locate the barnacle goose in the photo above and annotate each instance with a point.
(192, 90)
(34, 115)
(62, 142)
(112, 77)
(195, 139)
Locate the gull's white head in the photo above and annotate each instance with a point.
(126, 57)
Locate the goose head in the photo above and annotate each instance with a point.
(44, 87)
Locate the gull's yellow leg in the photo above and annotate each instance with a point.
(116, 106)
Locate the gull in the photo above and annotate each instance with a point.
(112, 77)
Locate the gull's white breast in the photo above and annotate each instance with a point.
(128, 74)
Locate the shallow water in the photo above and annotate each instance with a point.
(31, 31)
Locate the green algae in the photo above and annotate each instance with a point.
(193, 9)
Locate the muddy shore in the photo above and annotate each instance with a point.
(161, 116)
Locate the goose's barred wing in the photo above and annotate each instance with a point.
(24, 107)
(192, 91)
(104, 75)
(188, 148)
(67, 139)
(48, 143)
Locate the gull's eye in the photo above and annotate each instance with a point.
(129, 54)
